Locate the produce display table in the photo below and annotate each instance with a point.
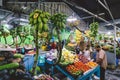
(81, 77)
(85, 76)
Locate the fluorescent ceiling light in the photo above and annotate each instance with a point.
(109, 33)
(71, 19)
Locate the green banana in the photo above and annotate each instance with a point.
(40, 26)
(35, 21)
(45, 27)
(39, 20)
(45, 20)
(30, 20)
(31, 15)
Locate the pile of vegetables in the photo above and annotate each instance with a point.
(77, 68)
(11, 67)
(79, 65)
(73, 70)
(91, 64)
(67, 57)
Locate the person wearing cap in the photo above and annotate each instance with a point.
(101, 59)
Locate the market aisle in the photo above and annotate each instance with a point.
(113, 75)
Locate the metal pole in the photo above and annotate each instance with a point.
(114, 29)
(108, 9)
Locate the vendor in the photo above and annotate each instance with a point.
(101, 59)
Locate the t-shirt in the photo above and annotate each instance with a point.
(102, 55)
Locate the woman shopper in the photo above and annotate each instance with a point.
(87, 52)
(101, 59)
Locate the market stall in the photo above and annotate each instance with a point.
(50, 42)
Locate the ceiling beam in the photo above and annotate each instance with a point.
(85, 10)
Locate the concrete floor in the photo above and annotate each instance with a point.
(112, 74)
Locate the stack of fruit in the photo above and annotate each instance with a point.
(67, 57)
(73, 70)
(7, 59)
(83, 59)
(11, 67)
(105, 47)
(78, 36)
(79, 65)
(92, 64)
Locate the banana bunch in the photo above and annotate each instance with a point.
(94, 29)
(87, 33)
(78, 36)
(39, 18)
(59, 20)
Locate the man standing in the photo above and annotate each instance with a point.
(101, 59)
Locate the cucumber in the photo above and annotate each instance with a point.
(18, 56)
(9, 66)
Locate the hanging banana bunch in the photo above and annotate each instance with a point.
(39, 18)
(87, 33)
(59, 20)
(94, 29)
